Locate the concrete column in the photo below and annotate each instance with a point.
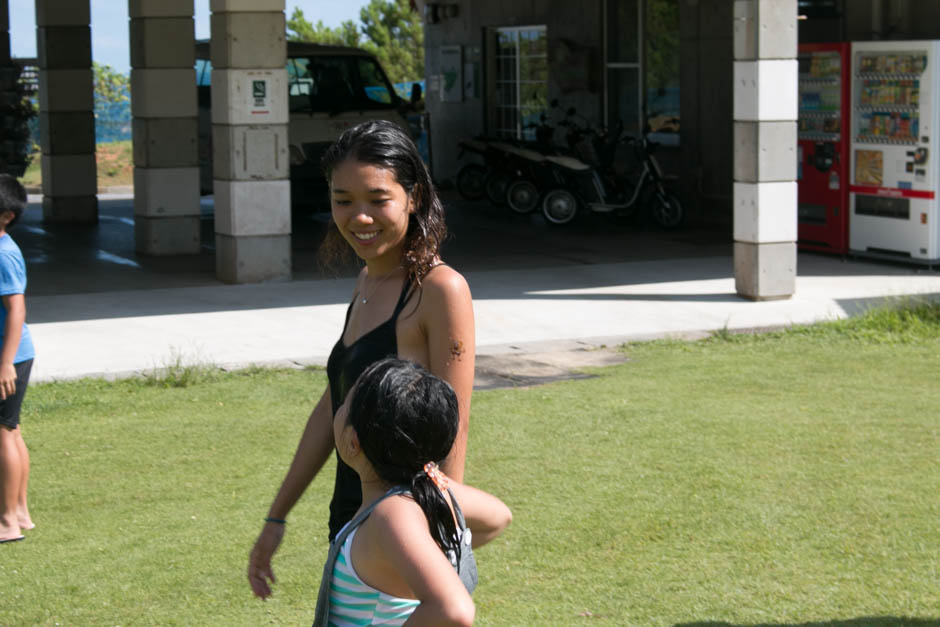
(66, 111)
(163, 103)
(765, 113)
(4, 33)
(249, 140)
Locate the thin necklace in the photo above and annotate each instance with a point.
(379, 281)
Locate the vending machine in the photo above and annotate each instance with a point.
(822, 147)
(894, 169)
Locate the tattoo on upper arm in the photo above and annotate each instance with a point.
(456, 349)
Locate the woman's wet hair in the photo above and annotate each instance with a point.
(404, 417)
(385, 145)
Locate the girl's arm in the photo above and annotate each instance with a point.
(405, 546)
(449, 328)
(314, 449)
(485, 514)
(15, 304)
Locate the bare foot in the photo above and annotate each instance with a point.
(26, 522)
(10, 535)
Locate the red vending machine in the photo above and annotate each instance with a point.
(822, 147)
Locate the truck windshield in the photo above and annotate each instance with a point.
(337, 83)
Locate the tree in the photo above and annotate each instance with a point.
(346, 34)
(397, 37)
(110, 85)
(112, 103)
(389, 29)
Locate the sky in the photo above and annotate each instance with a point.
(109, 25)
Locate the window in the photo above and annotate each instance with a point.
(622, 52)
(374, 82)
(661, 69)
(337, 83)
(521, 80)
(642, 66)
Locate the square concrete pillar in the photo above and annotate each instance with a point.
(765, 271)
(167, 42)
(766, 90)
(765, 212)
(253, 208)
(252, 259)
(765, 151)
(163, 192)
(67, 133)
(64, 47)
(166, 142)
(251, 97)
(160, 8)
(69, 174)
(765, 29)
(250, 148)
(177, 235)
(765, 111)
(163, 93)
(250, 152)
(70, 209)
(66, 90)
(222, 6)
(248, 40)
(66, 111)
(63, 13)
(163, 87)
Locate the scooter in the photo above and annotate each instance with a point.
(601, 189)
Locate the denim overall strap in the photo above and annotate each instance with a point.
(323, 597)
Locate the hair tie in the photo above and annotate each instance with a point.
(438, 477)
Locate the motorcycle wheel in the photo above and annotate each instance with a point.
(522, 196)
(496, 185)
(559, 206)
(667, 210)
(470, 181)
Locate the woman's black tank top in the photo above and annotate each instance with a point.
(344, 366)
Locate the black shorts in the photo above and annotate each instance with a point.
(10, 407)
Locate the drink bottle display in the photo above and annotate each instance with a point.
(822, 153)
(894, 118)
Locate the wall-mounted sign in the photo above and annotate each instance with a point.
(451, 74)
(259, 97)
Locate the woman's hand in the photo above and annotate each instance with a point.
(259, 563)
(7, 381)
(314, 449)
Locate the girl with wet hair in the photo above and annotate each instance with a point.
(398, 559)
(407, 303)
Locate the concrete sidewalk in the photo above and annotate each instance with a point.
(518, 312)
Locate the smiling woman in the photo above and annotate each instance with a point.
(407, 303)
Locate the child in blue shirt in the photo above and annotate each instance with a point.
(16, 360)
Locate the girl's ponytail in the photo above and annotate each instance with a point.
(429, 487)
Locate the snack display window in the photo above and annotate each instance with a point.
(894, 174)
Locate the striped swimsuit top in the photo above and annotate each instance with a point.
(354, 603)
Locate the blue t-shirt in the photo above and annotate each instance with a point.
(13, 281)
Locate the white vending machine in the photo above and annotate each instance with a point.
(895, 162)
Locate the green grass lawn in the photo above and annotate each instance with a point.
(783, 479)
